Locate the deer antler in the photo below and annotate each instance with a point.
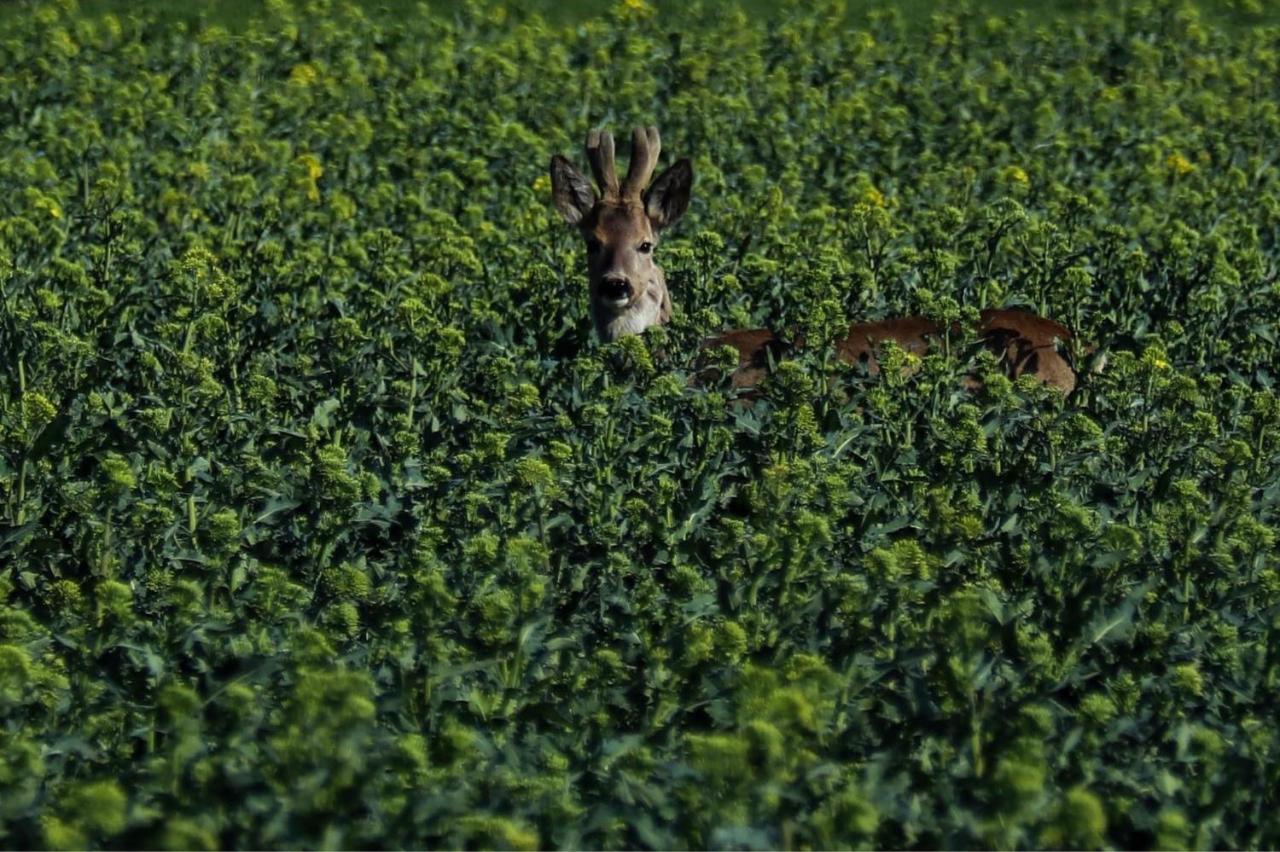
(645, 146)
(600, 155)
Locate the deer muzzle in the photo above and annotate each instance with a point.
(615, 289)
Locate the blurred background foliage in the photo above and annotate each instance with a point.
(234, 13)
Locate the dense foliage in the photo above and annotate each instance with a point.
(324, 520)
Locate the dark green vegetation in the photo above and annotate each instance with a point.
(324, 521)
(916, 14)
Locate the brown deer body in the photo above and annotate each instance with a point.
(1024, 342)
(629, 291)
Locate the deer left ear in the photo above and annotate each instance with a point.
(668, 196)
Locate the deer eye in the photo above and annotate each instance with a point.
(646, 247)
(593, 245)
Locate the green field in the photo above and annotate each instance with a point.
(238, 14)
(326, 522)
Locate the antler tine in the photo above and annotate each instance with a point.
(645, 146)
(600, 155)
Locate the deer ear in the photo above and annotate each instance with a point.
(572, 192)
(668, 197)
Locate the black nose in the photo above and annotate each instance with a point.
(615, 287)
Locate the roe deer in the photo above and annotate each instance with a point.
(629, 291)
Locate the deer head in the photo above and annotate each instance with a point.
(621, 224)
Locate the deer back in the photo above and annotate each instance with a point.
(1024, 343)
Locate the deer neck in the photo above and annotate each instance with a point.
(652, 308)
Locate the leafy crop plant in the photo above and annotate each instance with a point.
(327, 520)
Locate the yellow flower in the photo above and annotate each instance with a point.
(1016, 174)
(303, 75)
(1179, 164)
(111, 26)
(49, 206)
(312, 170)
(343, 206)
(64, 43)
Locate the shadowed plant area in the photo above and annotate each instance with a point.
(326, 521)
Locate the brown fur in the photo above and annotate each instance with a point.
(1025, 343)
(1029, 344)
(621, 224)
(756, 348)
(618, 231)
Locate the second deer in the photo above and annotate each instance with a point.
(628, 291)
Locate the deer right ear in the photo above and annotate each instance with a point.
(572, 192)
